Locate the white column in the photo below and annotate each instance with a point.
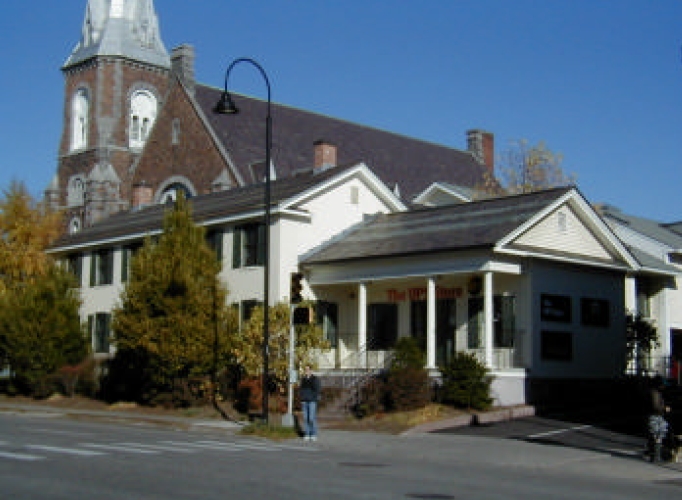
(431, 323)
(488, 317)
(362, 323)
(630, 294)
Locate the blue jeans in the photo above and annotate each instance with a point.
(309, 418)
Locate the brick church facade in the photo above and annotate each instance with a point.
(137, 128)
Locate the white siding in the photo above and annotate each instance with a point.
(563, 231)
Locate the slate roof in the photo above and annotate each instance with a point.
(410, 163)
(462, 226)
(663, 233)
(205, 208)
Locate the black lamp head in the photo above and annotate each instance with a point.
(226, 105)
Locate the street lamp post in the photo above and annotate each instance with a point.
(226, 106)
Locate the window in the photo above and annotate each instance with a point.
(504, 322)
(327, 314)
(556, 346)
(99, 326)
(214, 239)
(79, 120)
(74, 263)
(382, 326)
(247, 309)
(75, 191)
(248, 245)
(102, 267)
(127, 253)
(354, 195)
(556, 308)
(175, 132)
(594, 312)
(142, 115)
(171, 192)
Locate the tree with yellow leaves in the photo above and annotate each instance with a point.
(248, 342)
(40, 329)
(26, 229)
(525, 168)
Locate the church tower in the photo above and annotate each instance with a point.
(115, 80)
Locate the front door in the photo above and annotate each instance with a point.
(445, 328)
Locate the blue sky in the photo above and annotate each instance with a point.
(599, 81)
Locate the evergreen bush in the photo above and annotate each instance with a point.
(466, 383)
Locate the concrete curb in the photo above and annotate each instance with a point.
(475, 418)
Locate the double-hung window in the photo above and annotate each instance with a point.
(102, 267)
(248, 247)
(99, 326)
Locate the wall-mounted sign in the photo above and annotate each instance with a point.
(555, 308)
(594, 312)
(418, 294)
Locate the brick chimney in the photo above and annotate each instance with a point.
(325, 155)
(482, 145)
(182, 64)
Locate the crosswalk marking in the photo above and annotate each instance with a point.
(20, 456)
(246, 446)
(206, 446)
(119, 447)
(87, 449)
(160, 447)
(68, 451)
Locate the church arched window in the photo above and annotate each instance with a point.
(79, 119)
(142, 115)
(170, 192)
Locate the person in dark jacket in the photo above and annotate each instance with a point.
(309, 392)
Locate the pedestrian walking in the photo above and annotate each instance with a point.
(309, 392)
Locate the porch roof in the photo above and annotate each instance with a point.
(454, 227)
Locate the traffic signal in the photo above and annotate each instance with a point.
(296, 288)
(303, 316)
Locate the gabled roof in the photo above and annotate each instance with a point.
(233, 204)
(409, 163)
(496, 224)
(646, 237)
(463, 226)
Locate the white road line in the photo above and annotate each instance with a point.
(559, 431)
(159, 447)
(20, 456)
(246, 446)
(68, 451)
(54, 431)
(118, 447)
(206, 446)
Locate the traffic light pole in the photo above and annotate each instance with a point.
(288, 418)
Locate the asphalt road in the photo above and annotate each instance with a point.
(52, 457)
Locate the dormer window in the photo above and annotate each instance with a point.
(142, 115)
(79, 120)
(675, 257)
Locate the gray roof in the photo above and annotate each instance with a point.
(464, 226)
(663, 233)
(409, 163)
(205, 208)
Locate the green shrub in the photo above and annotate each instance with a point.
(407, 383)
(466, 383)
(407, 388)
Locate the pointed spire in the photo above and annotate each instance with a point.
(125, 28)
